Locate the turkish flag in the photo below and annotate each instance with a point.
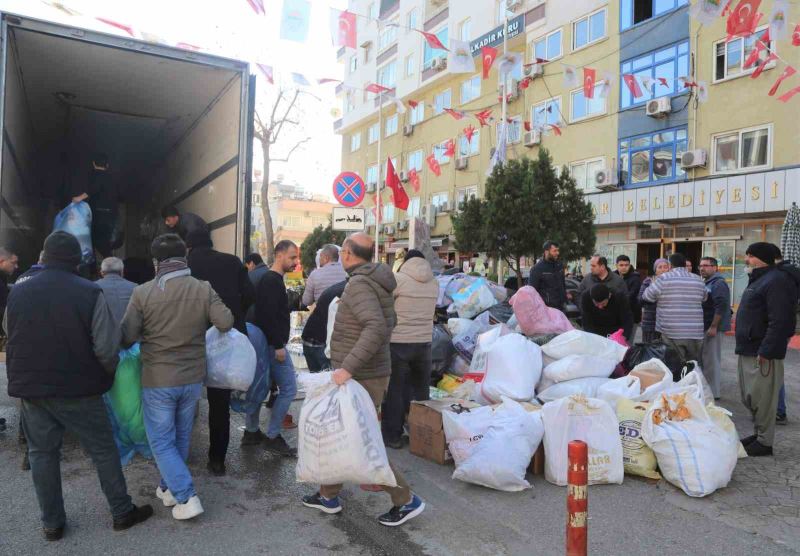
(556, 129)
(796, 36)
(457, 114)
(743, 19)
(347, 29)
(412, 103)
(433, 40)
(525, 83)
(450, 148)
(393, 183)
(663, 81)
(787, 73)
(375, 88)
(589, 77)
(762, 66)
(413, 177)
(469, 131)
(433, 164)
(789, 94)
(633, 85)
(483, 117)
(761, 44)
(489, 54)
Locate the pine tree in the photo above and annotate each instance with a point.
(320, 237)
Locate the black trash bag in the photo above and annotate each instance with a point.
(500, 313)
(640, 353)
(442, 350)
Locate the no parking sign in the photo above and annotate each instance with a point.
(348, 189)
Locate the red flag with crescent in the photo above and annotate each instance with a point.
(346, 30)
(589, 77)
(413, 177)
(633, 85)
(433, 164)
(556, 129)
(450, 148)
(399, 195)
(796, 35)
(789, 94)
(433, 41)
(787, 73)
(743, 19)
(483, 117)
(763, 65)
(489, 54)
(469, 131)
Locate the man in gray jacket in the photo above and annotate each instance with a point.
(330, 272)
(117, 289)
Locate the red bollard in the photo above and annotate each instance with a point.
(577, 498)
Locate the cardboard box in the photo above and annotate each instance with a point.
(426, 431)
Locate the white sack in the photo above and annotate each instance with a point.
(578, 342)
(230, 360)
(579, 366)
(626, 387)
(587, 387)
(462, 431)
(663, 385)
(513, 367)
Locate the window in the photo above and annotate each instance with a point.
(410, 65)
(471, 147)
(669, 63)
(514, 130)
(391, 125)
(388, 212)
(373, 133)
(441, 101)
(349, 101)
(372, 174)
(387, 75)
(583, 172)
(547, 112)
(465, 30)
(729, 58)
(394, 165)
(353, 63)
(415, 160)
(466, 193)
(430, 54)
(411, 20)
(355, 142)
(548, 47)
(589, 29)
(439, 153)
(652, 158)
(581, 107)
(388, 36)
(373, 11)
(746, 149)
(637, 11)
(292, 221)
(470, 89)
(418, 113)
(413, 208)
(439, 199)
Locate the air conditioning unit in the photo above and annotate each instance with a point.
(461, 163)
(694, 159)
(532, 138)
(513, 4)
(402, 226)
(535, 70)
(388, 230)
(408, 129)
(371, 186)
(403, 176)
(439, 63)
(606, 179)
(658, 107)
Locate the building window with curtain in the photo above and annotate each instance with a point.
(667, 63)
(652, 158)
(745, 149)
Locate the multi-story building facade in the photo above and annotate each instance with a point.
(628, 154)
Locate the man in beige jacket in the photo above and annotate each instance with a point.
(415, 303)
(360, 351)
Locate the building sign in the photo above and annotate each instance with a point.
(495, 36)
(715, 196)
(349, 219)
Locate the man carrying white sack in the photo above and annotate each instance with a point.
(360, 351)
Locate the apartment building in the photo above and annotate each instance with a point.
(663, 171)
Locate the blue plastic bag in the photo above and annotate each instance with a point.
(124, 404)
(76, 219)
(248, 402)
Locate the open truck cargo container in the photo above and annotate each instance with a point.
(175, 125)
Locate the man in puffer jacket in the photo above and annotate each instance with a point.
(360, 351)
(765, 322)
(415, 304)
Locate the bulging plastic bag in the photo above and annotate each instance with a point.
(694, 453)
(473, 299)
(230, 360)
(441, 349)
(579, 366)
(467, 339)
(623, 388)
(501, 458)
(76, 219)
(697, 379)
(248, 401)
(464, 430)
(124, 404)
(534, 316)
(457, 326)
(639, 353)
(587, 419)
(339, 437)
(332, 309)
(586, 387)
(578, 342)
(637, 457)
(512, 365)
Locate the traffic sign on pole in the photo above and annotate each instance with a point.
(349, 189)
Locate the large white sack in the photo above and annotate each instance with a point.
(587, 387)
(652, 391)
(513, 368)
(587, 419)
(695, 454)
(579, 366)
(626, 387)
(696, 379)
(230, 360)
(500, 460)
(578, 342)
(339, 437)
(464, 430)
(332, 309)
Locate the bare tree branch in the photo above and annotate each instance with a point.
(277, 132)
(296, 146)
(275, 109)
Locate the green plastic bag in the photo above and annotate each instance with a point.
(125, 406)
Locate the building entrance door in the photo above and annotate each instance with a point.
(692, 250)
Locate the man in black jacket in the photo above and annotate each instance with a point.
(62, 355)
(634, 283)
(765, 322)
(228, 276)
(547, 277)
(179, 223)
(604, 312)
(315, 332)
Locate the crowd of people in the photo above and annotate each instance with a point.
(690, 314)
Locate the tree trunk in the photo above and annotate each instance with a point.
(518, 271)
(269, 235)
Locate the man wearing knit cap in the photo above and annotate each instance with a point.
(765, 322)
(62, 355)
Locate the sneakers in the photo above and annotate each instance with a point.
(780, 419)
(400, 514)
(192, 508)
(288, 423)
(166, 497)
(748, 440)
(279, 446)
(53, 534)
(332, 506)
(253, 438)
(216, 468)
(133, 517)
(757, 449)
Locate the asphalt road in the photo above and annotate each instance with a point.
(255, 509)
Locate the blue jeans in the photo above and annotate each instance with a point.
(315, 357)
(284, 377)
(782, 401)
(168, 419)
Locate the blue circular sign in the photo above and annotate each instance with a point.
(348, 189)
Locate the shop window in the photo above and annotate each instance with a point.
(747, 149)
(633, 12)
(652, 158)
(669, 63)
(729, 57)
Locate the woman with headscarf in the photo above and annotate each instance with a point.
(648, 324)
